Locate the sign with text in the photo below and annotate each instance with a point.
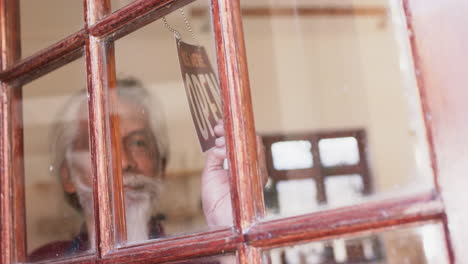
(203, 93)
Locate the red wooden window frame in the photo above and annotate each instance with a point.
(249, 235)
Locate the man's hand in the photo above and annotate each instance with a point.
(215, 190)
(216, 196)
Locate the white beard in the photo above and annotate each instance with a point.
(140, 199)
(139, 205)
(137, 216)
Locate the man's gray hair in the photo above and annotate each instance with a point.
(66, 128)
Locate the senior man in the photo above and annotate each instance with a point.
(144, 158)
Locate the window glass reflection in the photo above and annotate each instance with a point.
(226, 258)
(57, 208)
(56, 20)
(338, 74)
(159, 142)
(421, 245)
(117, 4)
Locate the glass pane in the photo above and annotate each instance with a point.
(342, 189)
(197, 7)
(295, 195)
(292, 155)
(339, 151)
(47, 21)
(227, 258)
(59, 202)
(338, 75)
(160, 145)
(421, 245)
(117, 4)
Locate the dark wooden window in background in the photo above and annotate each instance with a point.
(313, 156)
(313, 166)
(249, 236)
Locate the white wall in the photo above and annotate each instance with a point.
(331, 73)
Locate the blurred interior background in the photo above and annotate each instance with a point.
(334, 97)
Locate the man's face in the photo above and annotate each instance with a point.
(138, 153)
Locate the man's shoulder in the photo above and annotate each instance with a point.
(62, 248)
(51, 250)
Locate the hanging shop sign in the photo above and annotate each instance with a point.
(202, 89)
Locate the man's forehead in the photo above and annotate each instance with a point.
(123, 107)
(132, 117)
(130, 109)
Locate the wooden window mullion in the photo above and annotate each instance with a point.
(104, 135)
(442, 88)
(13, 232)
(321, 195)
(46, 60)
(246, 188)
(365, 174)
(347, 220)
(249, 254)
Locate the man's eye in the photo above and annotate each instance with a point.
(139, 143)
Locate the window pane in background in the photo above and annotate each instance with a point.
(343, 188)
(415, 245)
(338, 151)
(292, 155)
(56, 157)
(295, 196)
(45, 22)
(339, 74)
(148, 64)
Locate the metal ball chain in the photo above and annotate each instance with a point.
(177, 33)
(187, 23)
(171, 29)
